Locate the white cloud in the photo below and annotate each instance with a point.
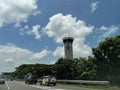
(9, 60)
(36, 13)
(41, 55)
(33, 31)
(12, 56)
(94, 6)
(25, 30)
(59, 26)
(59, 52)
(16, 11)
(11, 51)
(36, 32)
(53, 62)
(103, 28)
(108, 30)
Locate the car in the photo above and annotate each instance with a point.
(2, 80)
(31, 80)
(48, 80)
(11, 79)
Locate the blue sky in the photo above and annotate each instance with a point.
(31, 31)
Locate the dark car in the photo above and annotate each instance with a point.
(2, 80)
(31, 80)
(48, 80)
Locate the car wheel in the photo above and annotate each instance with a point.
(29, 83)
(54, 84)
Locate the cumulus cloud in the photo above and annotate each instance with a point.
(16, 11)
(94, 6)
(12, 56)
(35, 30)
(61, 25)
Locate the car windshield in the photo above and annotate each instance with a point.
(33, 77)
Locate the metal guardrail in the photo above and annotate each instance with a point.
(79, 82)
(84, 82)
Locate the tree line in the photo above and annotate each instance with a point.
(104, 65)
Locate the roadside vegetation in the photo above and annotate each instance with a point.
(104, 65)
(94, 87)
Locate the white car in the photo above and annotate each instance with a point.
(2, 80)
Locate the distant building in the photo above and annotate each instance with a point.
(68, 49)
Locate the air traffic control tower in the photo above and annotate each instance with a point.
(68, 49)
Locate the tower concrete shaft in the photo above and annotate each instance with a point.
(68, 49)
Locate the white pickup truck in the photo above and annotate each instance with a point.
(48, 80)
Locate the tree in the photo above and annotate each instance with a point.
(89, 72)
(107, 56)
(78, 68)
(36, 69)
(63, 68)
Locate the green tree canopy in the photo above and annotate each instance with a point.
(107, 56)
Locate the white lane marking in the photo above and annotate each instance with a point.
(45, 87)
(56, 89)
(7, 85)
(41, 87)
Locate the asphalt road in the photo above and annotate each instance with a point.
(17, 85)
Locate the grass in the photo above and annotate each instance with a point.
(96, 87)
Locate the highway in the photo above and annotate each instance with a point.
(18, 85)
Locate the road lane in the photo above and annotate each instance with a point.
(17, 85)
(3, 87)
